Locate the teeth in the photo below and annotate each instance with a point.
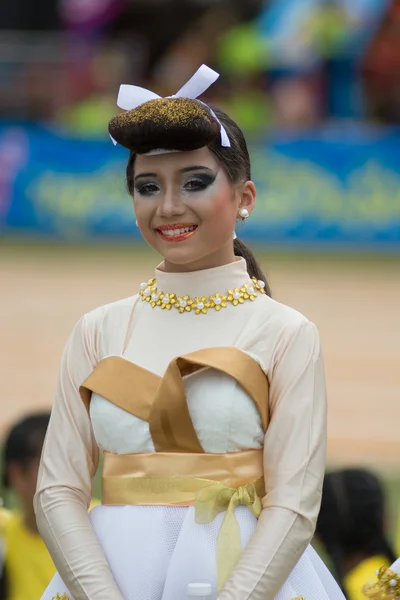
(178, 231)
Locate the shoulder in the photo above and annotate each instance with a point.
(104, 329)
(5, 516)
(278, 319)
(10, 522)
(100, 329)
(276, 328)
(110, 313)
(361, 574)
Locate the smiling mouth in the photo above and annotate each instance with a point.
(177, 232)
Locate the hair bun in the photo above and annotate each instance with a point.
(165, 123)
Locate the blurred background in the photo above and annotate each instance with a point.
(315, 85)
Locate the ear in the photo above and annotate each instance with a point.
(247, 196)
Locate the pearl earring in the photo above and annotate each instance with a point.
(244, 213)
(137, 223)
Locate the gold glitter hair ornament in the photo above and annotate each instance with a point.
(130, 97)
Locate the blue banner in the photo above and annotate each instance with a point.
(335, 188)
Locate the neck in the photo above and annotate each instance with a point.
(353, 560)
(203, 282)
(223, 256)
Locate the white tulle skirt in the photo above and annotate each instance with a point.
(154, 552)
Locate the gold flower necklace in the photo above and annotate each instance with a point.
(200, 305)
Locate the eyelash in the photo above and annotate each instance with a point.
(147, 189)
(199, 185)
(192, 185)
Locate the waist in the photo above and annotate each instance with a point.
(163, 478)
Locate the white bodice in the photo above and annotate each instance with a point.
(224, 416)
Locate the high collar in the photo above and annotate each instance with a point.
(206, 282)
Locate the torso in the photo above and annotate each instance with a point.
(224, 416)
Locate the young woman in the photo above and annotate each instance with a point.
(351, 526)
(206, 396)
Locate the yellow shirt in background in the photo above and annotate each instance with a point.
(362, 574)
(28, 565)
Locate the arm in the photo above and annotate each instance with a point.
(294, 463)
(69, 462)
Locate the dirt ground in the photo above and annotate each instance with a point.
(354, 302)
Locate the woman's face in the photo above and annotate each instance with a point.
(186, 208)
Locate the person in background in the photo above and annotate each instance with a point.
(27, 565)
(351, 528)
(4, 515)
(86, 116)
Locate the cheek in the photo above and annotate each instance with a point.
(144, 215)
(144, 211)
(220, 212)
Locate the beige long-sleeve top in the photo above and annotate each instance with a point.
(285, 344)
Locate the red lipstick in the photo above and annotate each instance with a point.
(176, 232)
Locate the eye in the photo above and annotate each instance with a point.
(147, 189)
(196, 184)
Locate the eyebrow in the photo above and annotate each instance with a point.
(196, 168)
(184, 170)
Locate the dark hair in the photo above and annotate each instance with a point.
(236, 163)
(24, 442)
(351, 519)
(171, 133)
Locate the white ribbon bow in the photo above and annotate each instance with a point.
(131, 96)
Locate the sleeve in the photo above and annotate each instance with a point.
(69, 462)
(294, 464)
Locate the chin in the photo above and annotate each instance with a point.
(181, 256)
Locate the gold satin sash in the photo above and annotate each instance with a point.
(216, 498)
(213, 483)
(161, 401)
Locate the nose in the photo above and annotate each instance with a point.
(170, 204)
